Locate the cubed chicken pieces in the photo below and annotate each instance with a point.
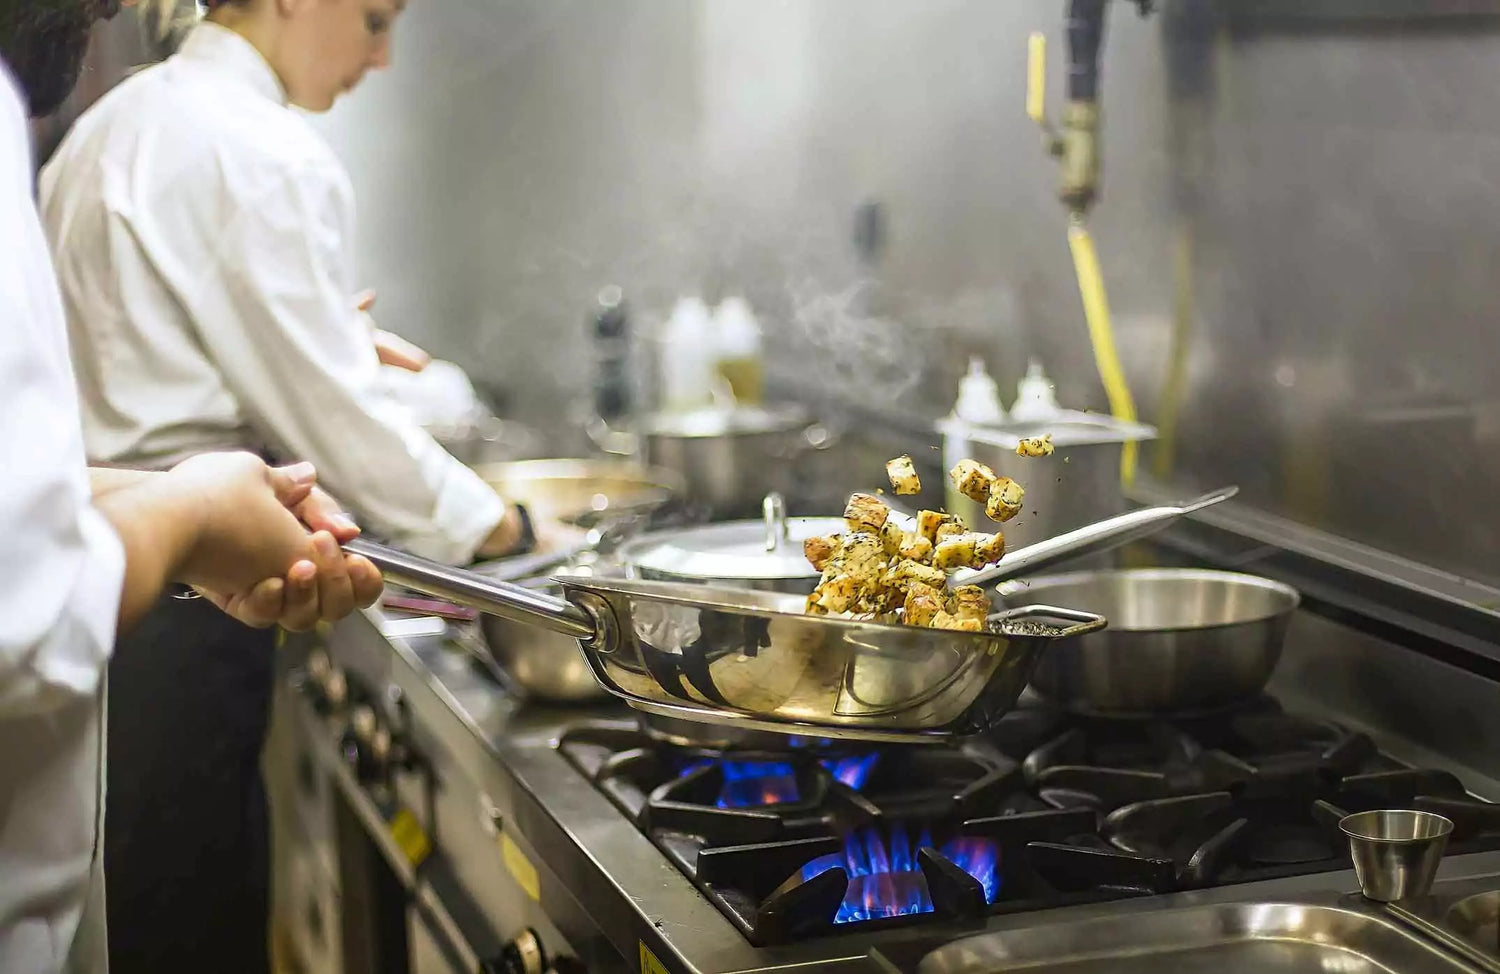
(954, 552)
(921, 609)
(819, 550)
(970, 602)
(891, 538)
(914, 547)
(861, 555)
(952, 528)
(866, 512)
(906, 572)
(930, 522)
(881, 571)
(1035, 446)
(903, 474)
(1004, 501)
(947, 620)
(989, 548)
(972, 479)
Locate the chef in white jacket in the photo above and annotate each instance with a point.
(85, 553)
(204, 237)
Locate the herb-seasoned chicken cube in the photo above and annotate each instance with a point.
(988, 548)
(972, 479)
(1005, 499)
(891, 538)
(820, 550)
(911, 571)
(970, 602)
(921, 609)
(866, 512)
(903, 474)
(861, 555)
(928, 523)
(915, 547)
(954, 552)
(879, 599)
(947, 620)
(953, 529)
(1035, 446)
(837, 594)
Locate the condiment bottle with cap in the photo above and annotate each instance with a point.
(978, 397)
(1036, 399)
(739, 349)
(686, 353)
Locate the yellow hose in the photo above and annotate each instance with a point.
(1177, 360)
(1096, 312)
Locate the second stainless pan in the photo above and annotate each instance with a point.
(1180, 641)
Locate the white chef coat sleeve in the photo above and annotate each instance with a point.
(276, 312)
(61, 564)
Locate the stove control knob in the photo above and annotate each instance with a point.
(326, 683)
(361, 742)
(523, 955)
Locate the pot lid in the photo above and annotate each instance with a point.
(717, 421)
(750, 550)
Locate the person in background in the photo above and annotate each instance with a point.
(204, 236)
(87, 552)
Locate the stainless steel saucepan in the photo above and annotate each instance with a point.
(756, 660)
(1180, 641)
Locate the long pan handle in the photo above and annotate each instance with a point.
(1090, 539)
(477, 591)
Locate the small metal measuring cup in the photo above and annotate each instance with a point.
(1396, 852)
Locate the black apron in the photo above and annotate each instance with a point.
(186, 835)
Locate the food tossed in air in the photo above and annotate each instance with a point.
(1004, 501)
(865, 512)
(1000, 496)
(1035, 446)
(903, 474)
(884, 570)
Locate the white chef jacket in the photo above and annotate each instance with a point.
(203, 235)
(61, 571)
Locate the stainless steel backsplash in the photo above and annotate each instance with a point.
(1301, 210)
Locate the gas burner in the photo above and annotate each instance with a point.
(889, 871)
(1048, 811)
(1284, 818)
(1105, 764)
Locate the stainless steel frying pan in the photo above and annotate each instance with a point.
(757, 661)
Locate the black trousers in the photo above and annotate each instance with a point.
(186, 834)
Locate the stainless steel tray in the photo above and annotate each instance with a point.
(1340, 935)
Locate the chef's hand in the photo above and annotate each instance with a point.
(391, 348)
(505, 538)
(326, 586)
(550, 536)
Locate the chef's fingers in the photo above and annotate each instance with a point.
(320, 512)
(300, 609)
(364, 579)
(364, 300)
(260, 608)
(394, 350)
(335, 589)
(293, 483)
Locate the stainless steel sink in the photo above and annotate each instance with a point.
(1335, 937)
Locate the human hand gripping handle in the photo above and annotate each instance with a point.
(256, 561)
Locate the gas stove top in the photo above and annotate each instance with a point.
(1045, 811)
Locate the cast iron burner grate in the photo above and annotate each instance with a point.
(1051, 811)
